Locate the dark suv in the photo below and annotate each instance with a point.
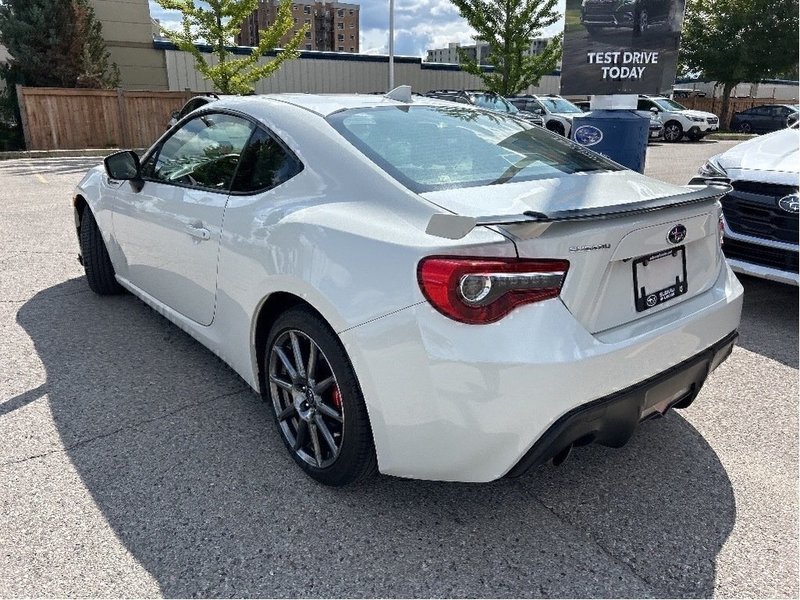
(635, 14)
(487, 100)
(765, 118)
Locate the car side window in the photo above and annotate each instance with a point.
(203, 153)
(265, 164)
(644, 104)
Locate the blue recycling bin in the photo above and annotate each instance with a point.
(621, 135)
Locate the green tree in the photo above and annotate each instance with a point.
(734, 41)
(52, 43)
(508, 26)
(217, 25)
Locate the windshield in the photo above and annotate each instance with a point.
(429, 148)
(559, 105)
(666, 104)
(495, 103)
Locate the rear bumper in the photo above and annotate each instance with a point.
(611, 421)
(466, 403)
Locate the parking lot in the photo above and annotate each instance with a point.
(135, 463)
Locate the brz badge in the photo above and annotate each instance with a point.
(677, 234)
(790, 204)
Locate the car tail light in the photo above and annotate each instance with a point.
(484, 290)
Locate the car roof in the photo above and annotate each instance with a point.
(323, 104)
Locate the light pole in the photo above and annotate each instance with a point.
(391, 45)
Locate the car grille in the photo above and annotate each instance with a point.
(765, 256)
(713, 120)
(752, 209)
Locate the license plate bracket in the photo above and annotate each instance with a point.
(659, 277)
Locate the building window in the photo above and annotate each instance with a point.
(352, 25)
(340, 13)
(340, 25)
(295, 21)
(352, 37)
(308, 46)
(308, 34)
(352, 49)
(308, 22)
(351, 13)
(294, 6)
(307, 9)
(341, 48)
(340, 38)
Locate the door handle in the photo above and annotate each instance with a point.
(201, 233)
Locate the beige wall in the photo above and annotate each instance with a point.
(127, 29)
(314, 75)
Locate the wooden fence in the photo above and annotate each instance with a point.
(61, 118)
(714, 105)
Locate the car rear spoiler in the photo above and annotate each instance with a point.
(455, 227)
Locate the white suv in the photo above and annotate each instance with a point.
(555, 110)
(678, 120)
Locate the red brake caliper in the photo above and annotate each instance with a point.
(337, 397)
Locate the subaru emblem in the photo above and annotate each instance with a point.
(790, 204)
(677, 234)
(588, 135)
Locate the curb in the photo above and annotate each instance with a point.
(93, 152)
(731, 136)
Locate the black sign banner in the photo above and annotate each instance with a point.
(621, 46)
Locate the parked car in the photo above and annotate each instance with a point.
(678, 120)
(487, 100)
(428, 292)
(687, 93)
(656, 131)
(584, 105)
(556, 111)
(761, 212)
(191, 104)
(765, 118)
(638, 15)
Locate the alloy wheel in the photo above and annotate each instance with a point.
(306, 398)
(672, 132)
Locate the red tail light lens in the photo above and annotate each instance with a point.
(480, 290)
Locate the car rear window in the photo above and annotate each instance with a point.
(430, 148)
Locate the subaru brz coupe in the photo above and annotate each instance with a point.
(417, 287)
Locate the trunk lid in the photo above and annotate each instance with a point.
(603, 288)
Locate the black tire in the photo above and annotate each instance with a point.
(556, 127)
(96, 262)
(745, 127)
(356, 459)
(673, 131)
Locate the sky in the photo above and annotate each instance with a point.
(419, 25)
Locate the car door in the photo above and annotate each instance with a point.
(644, 106)
(169, 232)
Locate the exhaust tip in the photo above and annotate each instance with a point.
(562, 455)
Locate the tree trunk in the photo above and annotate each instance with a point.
(724, 118)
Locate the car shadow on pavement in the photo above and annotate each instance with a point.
(770, 320)
(185, 464)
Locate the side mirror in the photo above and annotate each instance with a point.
(175, 114)
(654, 110)
(538, 111)
(125, 166)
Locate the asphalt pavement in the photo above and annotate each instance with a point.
(135, 463)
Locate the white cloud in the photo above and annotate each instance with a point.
(419, 25)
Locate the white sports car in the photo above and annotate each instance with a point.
(418, 287)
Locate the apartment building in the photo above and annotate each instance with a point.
(478, 52)
(333, 26)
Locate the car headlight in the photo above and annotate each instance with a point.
(697, 119)
(712, 168)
